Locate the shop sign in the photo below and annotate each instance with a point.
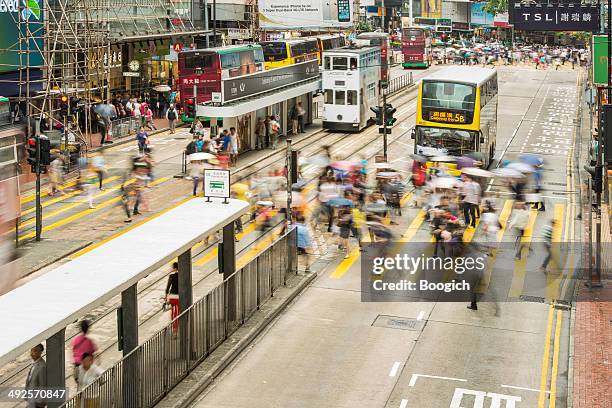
(558, 17)
(238, 33)
(249, 85)
(216, 184)
(460, 26)
(600, 60)
(131, 74)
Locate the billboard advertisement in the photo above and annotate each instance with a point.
(10, 13)
(479, 16)
(431, 8)
(304, 14)
(557, 17)
(600, 60)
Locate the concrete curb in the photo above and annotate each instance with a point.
(570, 359)
(202, 383)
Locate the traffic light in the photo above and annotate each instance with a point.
(64, 102)
(75, 105)
(596, 177)
(190, 108)
(31, 150)
(389, 112)
(379, 115)
(45, 151)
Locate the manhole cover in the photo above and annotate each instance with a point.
(395, 322)
(534, 299)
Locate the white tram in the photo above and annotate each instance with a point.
(350, 87)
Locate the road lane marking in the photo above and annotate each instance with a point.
(86, 212)
(395, 369)
(520, 265)
(545, 358)
(553, 279)
(421, 315)
(32, 197)
(413, 227)
(522, 388)
(415, 377)
(555, 362)
(403, 403)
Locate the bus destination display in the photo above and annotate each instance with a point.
(446, 117)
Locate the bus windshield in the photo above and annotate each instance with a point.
(448, 95)
(455, 142)
(274, 51)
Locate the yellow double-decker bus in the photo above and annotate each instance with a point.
(288, 52)
(457, 113)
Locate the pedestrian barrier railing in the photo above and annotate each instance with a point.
(125, 127)
(399, 83)
(148, 373)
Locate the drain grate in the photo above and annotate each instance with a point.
(401, 323)
(534, 299)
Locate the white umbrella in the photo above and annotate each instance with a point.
(506, 172)
(162, 88)
(445, 182)
(382, 165)
(443, 159)
(201, 156)
(522, 167)
(475, 171)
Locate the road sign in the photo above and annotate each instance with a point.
(600, 60)
(216, 183)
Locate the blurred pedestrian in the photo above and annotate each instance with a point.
(196, 173)
(300, 117)
(274, 131)
(142, 138)
(172, 115)
(234, 146)
(89, 372)
(149, 118)
(518, 223)
(304, 240)
(172, 296)
(81, 345)
(260, 133)
(471, 199)
(90, 181)
(37, 377)
(547, 234)
(56, 176)
(99, 164)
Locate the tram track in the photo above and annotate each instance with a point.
(367, 136)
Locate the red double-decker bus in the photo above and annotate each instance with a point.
(416, 47)
(383, 41)
(203, 70)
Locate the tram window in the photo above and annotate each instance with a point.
(351, 98)
(327, 63)
(230, 60)
(340, 63)
(329, 96)
(353, 64)
(340, 97)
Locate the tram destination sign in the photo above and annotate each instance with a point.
(265, 81)
(555, 17)
(446, 117)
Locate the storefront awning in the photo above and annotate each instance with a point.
(251, 105)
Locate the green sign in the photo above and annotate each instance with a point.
(600, 60)
(217, 184)
(15, 41)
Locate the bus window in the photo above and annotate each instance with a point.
(198, 61)
(351, 98)
(340, 63)
(329, 96)
(339, 98)
(448, 95)
(327, 63)
(274, 51)
(353, 64)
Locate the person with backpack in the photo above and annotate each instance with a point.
(172, 115)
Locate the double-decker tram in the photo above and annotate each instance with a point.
(457, 113)
(287, 52)
(383, 41)
(350, 87)
(204, 69)
(416, 47)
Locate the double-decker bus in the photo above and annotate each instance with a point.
(457, 113)
(383, 41)
(288, 52)
(350, 85)
(416, 47)
(204, 69)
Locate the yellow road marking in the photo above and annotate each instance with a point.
(413, 227)
(63, 197)
(346, 264)
(520, 266)
(555, 362)
(555, 274)
(468, 234)
(32, 197)
(86, 212)
(545, 358)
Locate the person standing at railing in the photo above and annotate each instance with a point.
(172, 296)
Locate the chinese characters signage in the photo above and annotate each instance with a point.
(216, 183)
(567, 17)
(446, 117)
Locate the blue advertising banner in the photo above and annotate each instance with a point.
(480, 17)
(12, 44)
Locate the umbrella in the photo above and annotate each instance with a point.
(344, 165)
(265, 203)
(522, 167)
(477, 172)
(531, 159)
(162, 88)
(340, 202)
(445, 182)
(382, 165)
(318, 160)
(443, 159)
(387, 174)
(506, 172)
(201, 156)
(465, 161)
(106, 110)
(417, 157)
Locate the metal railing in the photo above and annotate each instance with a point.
(399, 83)
(125, 127)
(148, 373)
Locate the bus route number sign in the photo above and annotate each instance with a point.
(446, 117)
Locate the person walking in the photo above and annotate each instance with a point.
(471, 199)
(274, 129)
(304, 240)
(172, 296)
(81, 345)
(172, 115)
(234, 146)
(547, 234)
(518, 223)
(260, 133)
(196, 173)
(142, 138)
(149, 118)
(37, 377)
(491, 227)
(300, 117)
(99, 165)
(102, 126)
(90, 181)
